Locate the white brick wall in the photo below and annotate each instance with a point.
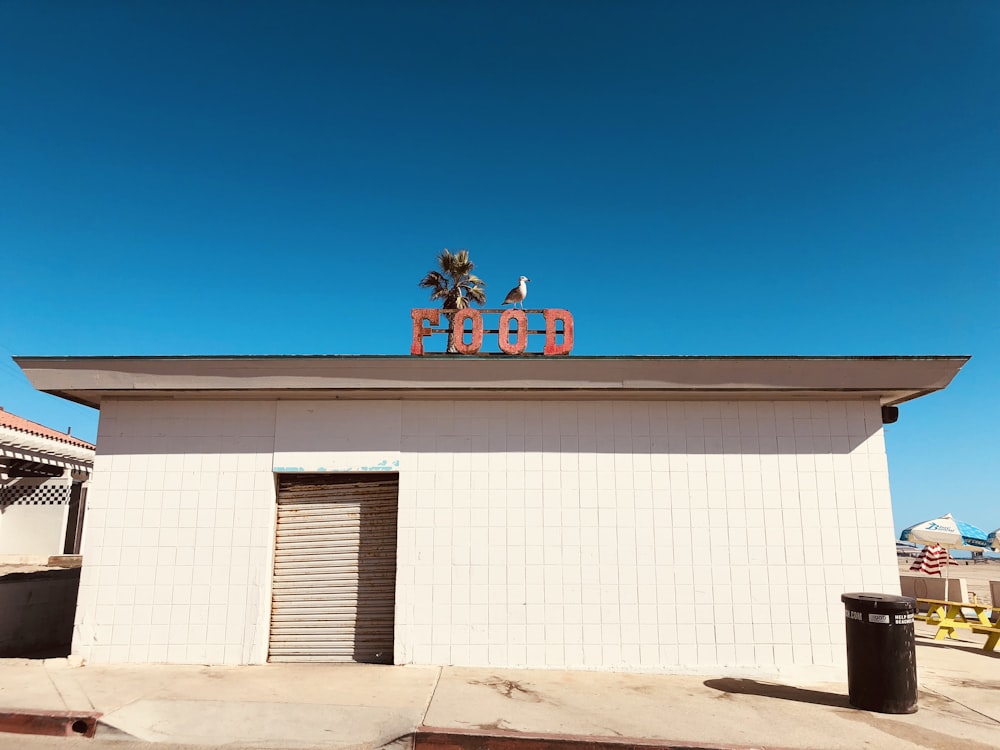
(337, 436)
(178, 534)
(639, 535)
(701, 536)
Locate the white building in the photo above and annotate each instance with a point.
(698, 514)
(43, 487)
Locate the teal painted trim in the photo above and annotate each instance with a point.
(382, 466)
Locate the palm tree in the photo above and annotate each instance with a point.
(455, 286)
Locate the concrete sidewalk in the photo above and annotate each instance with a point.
(368, 706)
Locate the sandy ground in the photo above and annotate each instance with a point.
(977, 577)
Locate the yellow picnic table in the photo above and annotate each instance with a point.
(950, 616)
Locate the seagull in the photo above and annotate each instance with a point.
(518, 293)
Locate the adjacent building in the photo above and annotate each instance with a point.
(43, 485)
(664, 514)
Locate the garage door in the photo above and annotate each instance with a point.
(334, 568)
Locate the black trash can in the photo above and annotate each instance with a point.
(881, 655)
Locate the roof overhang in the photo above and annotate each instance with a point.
(89, 380)
(17, 445)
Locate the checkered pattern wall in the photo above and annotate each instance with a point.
(34, 493)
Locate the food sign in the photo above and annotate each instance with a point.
(513, 324)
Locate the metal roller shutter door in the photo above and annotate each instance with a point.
(334, 584)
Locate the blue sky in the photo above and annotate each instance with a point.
(686, 178)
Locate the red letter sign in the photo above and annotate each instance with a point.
(427, 321)
(420, 314)
(551, 347)
(458, 329)
(521, 342)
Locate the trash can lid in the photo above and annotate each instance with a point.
(869, 602)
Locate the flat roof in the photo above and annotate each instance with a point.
(890, 379)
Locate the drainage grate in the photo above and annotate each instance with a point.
(51, 723)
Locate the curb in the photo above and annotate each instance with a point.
(50, 723)
(439, 738)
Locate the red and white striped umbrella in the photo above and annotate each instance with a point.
(932, 559)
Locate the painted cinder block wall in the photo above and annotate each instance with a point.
(699, 536)
(33, 516)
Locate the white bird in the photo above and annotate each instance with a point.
(518, 293)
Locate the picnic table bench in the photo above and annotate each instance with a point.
(951, 616)
(992, 636)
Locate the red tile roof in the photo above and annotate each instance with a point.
(21, 424)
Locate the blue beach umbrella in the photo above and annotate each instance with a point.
(947, 532)
(994, 541)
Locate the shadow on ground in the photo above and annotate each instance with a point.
(956, 645)
(782, 692)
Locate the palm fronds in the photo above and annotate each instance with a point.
(455, 285)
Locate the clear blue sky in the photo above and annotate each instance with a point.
(686, 178)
